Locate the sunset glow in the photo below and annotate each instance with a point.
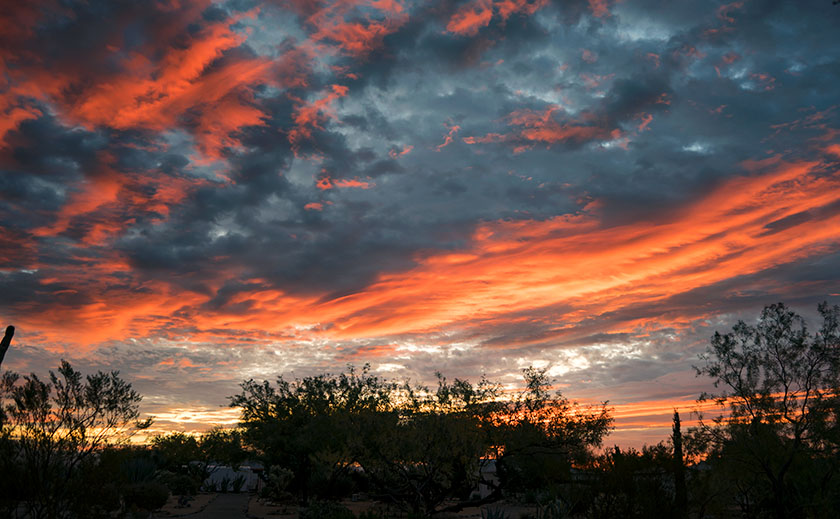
(199, 192)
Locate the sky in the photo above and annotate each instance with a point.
(200, 192)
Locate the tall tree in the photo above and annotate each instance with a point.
(420, 448)
(51, 428)
(310, 425)
(543, 435)
(779, 390)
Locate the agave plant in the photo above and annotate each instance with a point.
(494, 513)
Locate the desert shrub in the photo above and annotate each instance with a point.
(277, 483)
(494, 513)
(178, 484)
(326, 510)
(146, 496)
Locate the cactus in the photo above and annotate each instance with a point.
(7, 340)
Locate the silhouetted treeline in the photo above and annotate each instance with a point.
(771, 450)
(425, 449)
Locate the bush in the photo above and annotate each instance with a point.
(494, 513)
(179, 484)
(237, 483)
(145, 496)
(326, 510)
(278, 480)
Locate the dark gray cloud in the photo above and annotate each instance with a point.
(307, 183)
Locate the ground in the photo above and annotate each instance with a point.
(249, 506)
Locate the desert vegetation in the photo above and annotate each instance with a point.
(427, 451)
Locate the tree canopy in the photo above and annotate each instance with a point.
(50, 429)
(415, 446)
(778, 385)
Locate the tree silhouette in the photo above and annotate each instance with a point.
(779, 390)
(6, 342)
(52, 429)
(680, 493)
(422, 449)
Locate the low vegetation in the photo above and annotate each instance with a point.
(771, 451)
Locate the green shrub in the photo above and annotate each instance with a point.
(494, 513)
(146, 496)
(179, 484)
(237, 483)
(326, 510)
(277, 484)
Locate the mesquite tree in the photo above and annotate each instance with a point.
(779, 390)
(50, 428)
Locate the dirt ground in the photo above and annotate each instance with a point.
(244, 506)
(263, 509)
(194, 505)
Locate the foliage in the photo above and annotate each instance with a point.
(145, 496)
(776, 439)
(632, 483)
(429, 448)
(494, 513)
(544, 434)
(51, 429)
(277, 481)
(318, 509)
(237, 483)
(306, 425)
(178, 484)
(197, 456)
(412, 446)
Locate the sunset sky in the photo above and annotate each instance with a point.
(197, 192)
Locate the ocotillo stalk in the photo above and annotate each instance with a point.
(7, 340)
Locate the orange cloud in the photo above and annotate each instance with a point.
(574, 261)
(12, 116)
(646, 120)
(354, 36)
(155, 85)
(102, 201)
(313, 114)
(447, 139)
(325, 183)
(353, 182)
(599, 8)
(471, 17)
(544, 128)
(396, 152)
(724, 12)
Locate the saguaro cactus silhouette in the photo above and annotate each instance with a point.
(7, 340)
